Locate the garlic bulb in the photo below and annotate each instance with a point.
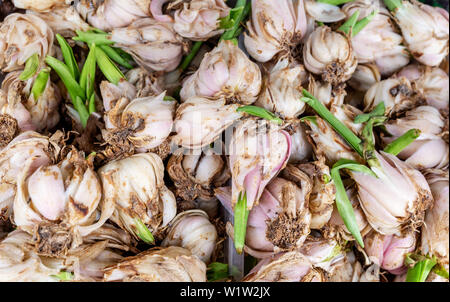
(199, 121)
(365, 76)
(425, 30)
(154, 45)
(192, 230)
(135, 187)
(225, 72)
(20, 103)
(378, 42)
(21, 36)
(329, 54)
(326, 93)
(60, 219)
(199, 20)
(39, 6)
(429, 150)
(282, 90)
(171, 264)
(433, 82)
(389, 251)
(196, 175)
(259, 150)
(434, 239)
(284, 267)
(301, 147)
(401, 205)
(112, 14)
(274, 27)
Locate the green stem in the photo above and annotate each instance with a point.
(115, 56)
(191, 55)
(393, 4)
(379, 110)
(350, 23)
(143, 232)
(92, 104)
(369, 141)
(69, 57)
(80, 107)
(31, 66)
(240, 222)
(231, 33)
(260, 112)
(87, 78)
(363, 22)
(402, 142)
(108, 68)
(91, 37)
(40, 83)
(335, 2)
(338, 126)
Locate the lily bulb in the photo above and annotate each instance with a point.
(145, 122)
(20, 103)
(301, 147)
(170, 264)
(112, 14)
(259, 150)
(429, 150)
(425, 30)
(365, 76)
(282, 89)
(199, 20)
(433, 82)
(379, 42)
(196, 175)
(28, 148)
(434, 239)
(154, 45)
(322, 253)
(192, 230)
(199, 121)
(326, 93)
(22, 36)
(389, 251)
(401, 205)
(58, 203)
(329, 54)
(135, 187)
(225, 72)
(274, 28)
(284, 267)
(398, 95)
(39, 6)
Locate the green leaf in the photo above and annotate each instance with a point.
(87, 78)
(353, 166)
(335, 2)
(228, 21)
(260, 112)
(108, 68)
(69, 57)
(143, 232)
(31, 66)
(363, 23)
(90, 37)
(310, 118)
(402, 142)
(350, 23)
(80, 107)
(440, 270)
(240, 222)
(217, 271)
(92, 108)
(115, 56)
(63, 276)
(40, 83)
(420, 271)
(393, 4)
(123, 54)
(379, 110)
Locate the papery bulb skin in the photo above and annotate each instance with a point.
(425, 30)
(135, 187)
(39, 6)
(196, 175)
(322, 253)
(282, 89)
(323, 12)
(146, 84)
(389, 251)
(225, 72)
(326, 93)
(284, 267)
(329, 54)
(401, 205)
(199, 121)
(433, 82)
(37, 115)
(259, 150)
(112, 14)
(192, 230)
(199, 20)
(347, 114)
(274, 28)
(112, 93)
(154, 45)
(170, 264)
(301, 147)
(365, 76)
(430, 149)
(21, 36)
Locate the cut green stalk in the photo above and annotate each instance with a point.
(107, 66)
(369, 141)
(420, 271)
(260, 112)
(240, 222)
(92, 37)
(69, 57)
(379, 110)
(343, 204)
(363, 22)
(231, 32)
(323, 112)
(228, 21)
(393, 4)
(87, 78)
(402, 142)
(335, 2)
(31, 66)
(191, 55)
(217, 271)
(40, 83)
(350, 23)
(143, 232)
(63, 276)
(80, 107)
(115, 56)
(66, 77)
